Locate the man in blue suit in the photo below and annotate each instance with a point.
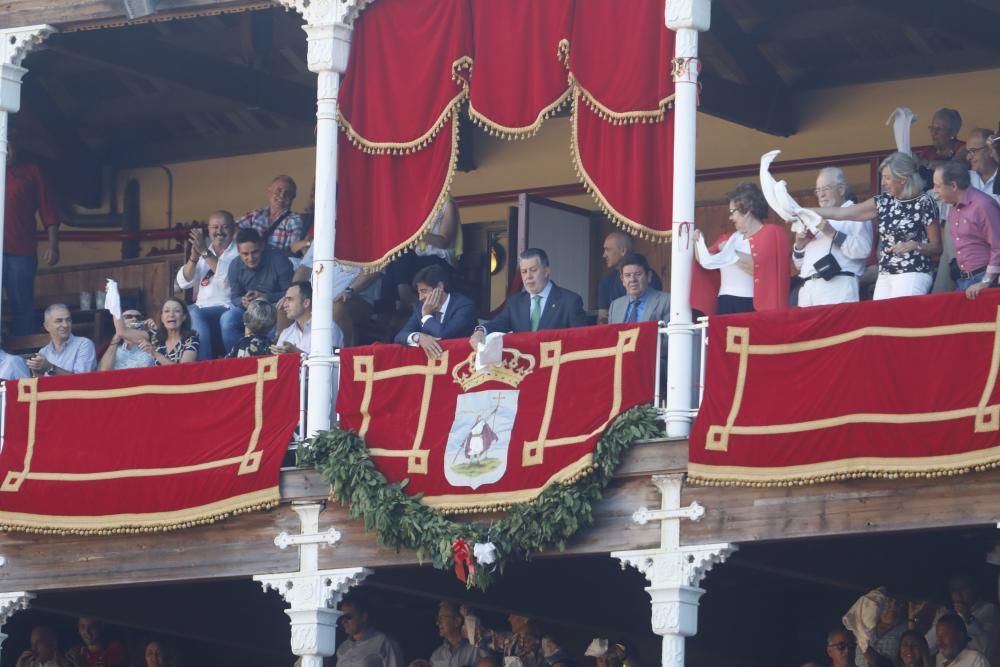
(440, 313)
(542, 304)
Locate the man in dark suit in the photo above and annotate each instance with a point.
(542, 304)
(440, 313)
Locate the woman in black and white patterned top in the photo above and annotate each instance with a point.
(908, 227)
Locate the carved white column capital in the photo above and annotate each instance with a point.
(313, 590)
(688, 14)
(16, 43)
(327, 12)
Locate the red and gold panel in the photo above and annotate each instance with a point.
(889, 388)
(468, 439)
(146, 449)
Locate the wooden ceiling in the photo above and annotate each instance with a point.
(237, 83)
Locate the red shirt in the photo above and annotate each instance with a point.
(112, 655)
(27, 192)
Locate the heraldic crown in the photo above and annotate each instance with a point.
(514, 367)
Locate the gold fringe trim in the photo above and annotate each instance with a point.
(57, 525)
(706, 479)
(616, 216)
(442, 199)
(496, 130)
(421, 142)
(622, 117)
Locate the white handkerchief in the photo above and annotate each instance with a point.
(776, 194)
(596, 648)
(901, 120)
(726, 255)
(113, 301)
(490, 351)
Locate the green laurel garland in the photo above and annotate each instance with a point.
(402, 521)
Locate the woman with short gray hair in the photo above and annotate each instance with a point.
(258, 322)
(909, 232)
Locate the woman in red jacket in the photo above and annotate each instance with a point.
(753, 263)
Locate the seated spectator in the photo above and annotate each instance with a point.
(981, 618)
(66, 353)
(258, 322)
(524, 642)
(12, 367)
(440, 246)
(542, 304)
(276, 224)
(439, 313)
(641, 302)
(913, 650)
(953, 644)
(206, 271)
(849, 242)
(125, 352)
(174, 341)
(753, 263)
(260, 273)
(945, 144)
(889, 629)
(94, 651)
(909, 233)
(974, 225)
(44, 650)
(455, 650)
(296, 337)
(840, 647)
(617, 245)
(160, 654)
(354, 294)
(982, 162)
(488, 660)
(364, 645)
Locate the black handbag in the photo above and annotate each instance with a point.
(827, 266)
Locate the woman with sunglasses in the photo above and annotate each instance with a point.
(124, 350)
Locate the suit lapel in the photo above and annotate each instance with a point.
(549, 311)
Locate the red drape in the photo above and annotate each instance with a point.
(882, 388)
(146, 449)
(417, 415)
(518, 74)
(399, 92)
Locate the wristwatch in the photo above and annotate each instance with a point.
(204, 253)
(987, 279)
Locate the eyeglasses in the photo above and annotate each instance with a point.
(131, 316)
(824, 190)
(841, 646)
(346, 617)
(733, 210)
(973, 151)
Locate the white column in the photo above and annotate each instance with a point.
(673, 572)
(328, 30)
(10, 603)
(15, 43)
(686, 18)
(312, 594)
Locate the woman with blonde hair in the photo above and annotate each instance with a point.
(908, 228)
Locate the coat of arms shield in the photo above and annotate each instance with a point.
(479, 439)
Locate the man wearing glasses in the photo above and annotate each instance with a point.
(840, 648)
(364, 645)
(848, 243)
(983, 173)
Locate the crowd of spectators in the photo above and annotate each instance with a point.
(93, 649)
(250, 294)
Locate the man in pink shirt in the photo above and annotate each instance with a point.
(974, 225)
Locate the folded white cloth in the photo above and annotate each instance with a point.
(862, 617)
(726, 255)
(596, 648)
(113, 300)
(901, 120)
(776, 194)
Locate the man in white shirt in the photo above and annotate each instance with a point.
(455, 650)
(206, 270)
(297, 305)
(850, 243)
(65, 354)
(364, 645)
(12, 367)
(984, 168)
(953, 644)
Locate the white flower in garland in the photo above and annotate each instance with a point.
(486, 554)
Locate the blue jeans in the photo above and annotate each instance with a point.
(207, 322)
(19, 281)
(963, 284)
(231, 326)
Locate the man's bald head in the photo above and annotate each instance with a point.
(617, 244)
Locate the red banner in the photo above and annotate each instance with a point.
(146, 449)
(903, 387)
(469, 439)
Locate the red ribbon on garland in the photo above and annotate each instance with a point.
(463, 559)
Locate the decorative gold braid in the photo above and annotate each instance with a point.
(613, 214)
(406, 147)
(495, 129)
(623, 117)
(442, 199)
(128, 524)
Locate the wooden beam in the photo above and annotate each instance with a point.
(155, 58)
(748, 57)
(17, 13)
(766, 110)
(967, 22)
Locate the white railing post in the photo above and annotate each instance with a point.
(686, 18)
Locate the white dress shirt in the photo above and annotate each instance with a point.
(984, 186)
(852, 253)
(216, 292)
